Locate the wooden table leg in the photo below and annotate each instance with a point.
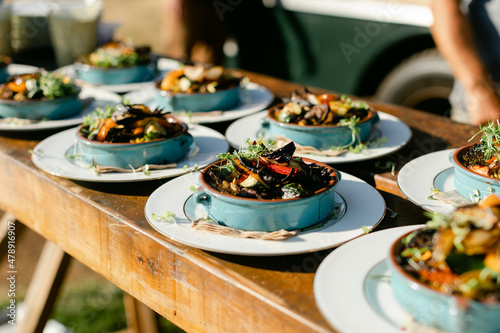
(7, 221)
(140, 318)
(43, 289)
(46, 282)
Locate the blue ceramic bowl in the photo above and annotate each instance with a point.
(219, 100)
(4, 74)
(122, 75)
(469, 183)
(267, 215)
(430, 307)
(126, 155)
(319, 137)
(53, 109)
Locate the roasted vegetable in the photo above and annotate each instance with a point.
(117, 54)
(460, 253)
(259, 172)
(308, 109)
(129, 123)
(41, 85)
(198, 79)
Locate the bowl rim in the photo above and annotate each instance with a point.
(45, 101)
(392, 255)
(87, 68)
(368, 118)
(210, 189)
(89, 142)
(458, 164)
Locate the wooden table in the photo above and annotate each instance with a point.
(104, 227)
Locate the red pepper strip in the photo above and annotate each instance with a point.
(277, 168)
(244, 176)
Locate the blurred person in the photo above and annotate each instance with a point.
(467, 35)
(192, 30)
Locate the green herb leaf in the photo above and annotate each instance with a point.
(167, 217)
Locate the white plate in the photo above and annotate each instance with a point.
(417, 177)
(350, 287)
(91, 98)
(364, 206)
(394, 130)
(50, 155)
(253, 98)
(164, 65)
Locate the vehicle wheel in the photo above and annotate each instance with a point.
(423, 81)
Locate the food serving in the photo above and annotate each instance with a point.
(132, 135)
(477, 165)
(117, 54)
(457, 256)
(39, 95)
(117, 62)
(264, 189)
(199, 88)
(324, 121)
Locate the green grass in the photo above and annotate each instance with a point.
(93, 306)
(96, 308)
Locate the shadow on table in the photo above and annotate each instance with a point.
(400, 212)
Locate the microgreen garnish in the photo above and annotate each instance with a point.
(436, 220)
(252, 151)
(167, 217)
(92, 123)
(433, 191)
(490, 135)
(393, 213)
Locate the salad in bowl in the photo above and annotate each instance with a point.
(132, 136)
(199, 88)
(325, 121)
(448, 273)
(117, 62)
(40, 95)
(261, 189)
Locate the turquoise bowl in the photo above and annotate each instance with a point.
(127, 155)
(430, 307)
(4, 74)
(320, 137)
(267, 215)
(219, 100)
(53, 109)
(469, 183)
(122, 75)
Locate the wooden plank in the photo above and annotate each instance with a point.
(8, 220)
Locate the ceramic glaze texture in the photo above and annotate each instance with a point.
(321, 137)
(267, 215)
(3, 74)
(469, 183)
(122, 75)
(219, 100)
(126, 155)
(53, 109)
(432, 308)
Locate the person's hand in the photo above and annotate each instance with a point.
(483, 104)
